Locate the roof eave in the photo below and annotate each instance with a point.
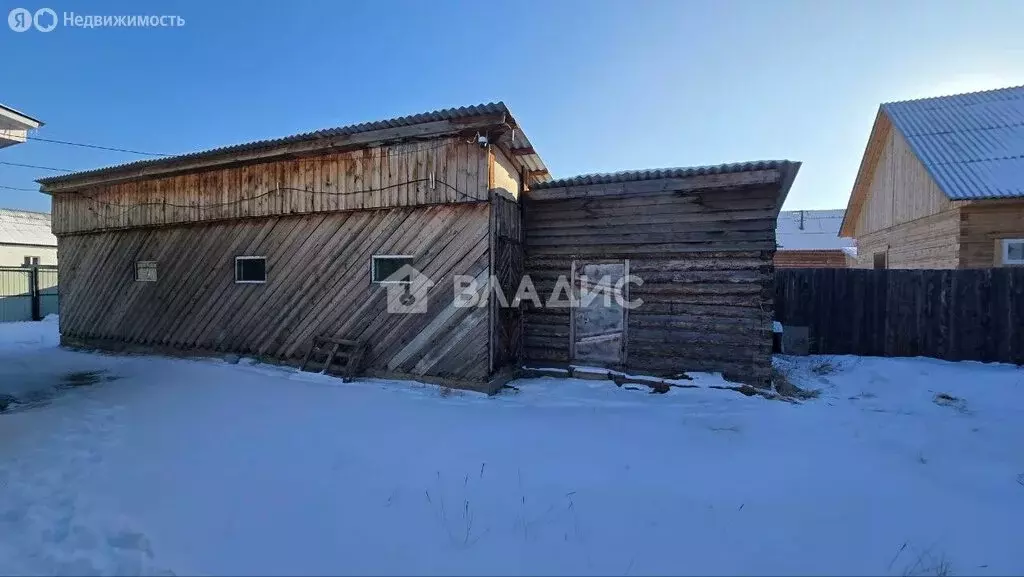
(27, 121)
(868, 161)
(301, 145)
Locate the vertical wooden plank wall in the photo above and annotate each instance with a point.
(705, 258)
(378, 177)
(508, 270)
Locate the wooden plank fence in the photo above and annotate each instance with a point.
(957, 315)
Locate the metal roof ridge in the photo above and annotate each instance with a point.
(948, 98)
(406, 120)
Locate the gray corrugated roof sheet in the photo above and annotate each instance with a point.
(446, 114)
(25, 227)
(810, 230)
(20, 113)
(971, 144)
(653, 174)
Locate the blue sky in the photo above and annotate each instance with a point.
(598, 86)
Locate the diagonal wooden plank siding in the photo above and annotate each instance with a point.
(410, 174)
(706, 263)
(318, 282)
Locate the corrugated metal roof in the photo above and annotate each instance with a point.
(657, 173)
(811, 230)
(25, 227)
(972, 144)
(532, 160)
(20, 113)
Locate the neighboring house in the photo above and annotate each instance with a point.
(941, 184)
(25, 239)
(28, 258)
(258, 248)
(810, 239)
(14, 126)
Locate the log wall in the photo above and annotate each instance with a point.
(318, 282)
(983, 226)
(411, 174)
(929, 242)
(824, 258)
(705, 257)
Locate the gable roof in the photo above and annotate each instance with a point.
(972, 145)
(26, 228)
(404, 128)
(811, 230)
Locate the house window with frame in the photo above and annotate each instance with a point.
(250, 269)
(880, 260)
(385, 268)
(31, 261)
(1013, 251)
(145, 271)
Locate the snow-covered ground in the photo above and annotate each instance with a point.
(199, 466)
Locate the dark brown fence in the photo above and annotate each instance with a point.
(972, 314)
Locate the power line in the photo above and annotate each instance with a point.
(96, 146)
(18, 188)
(37, 167)
(126, 208)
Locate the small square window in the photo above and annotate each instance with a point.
(145, 271)
(250, 269)
(388, 269)
(1013, 251)
(31, 261)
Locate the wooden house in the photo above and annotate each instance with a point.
(258, 248)
(810, 239)
(262, 248)
(941, 184)
(701, 242)
(25, 239)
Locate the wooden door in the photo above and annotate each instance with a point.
(597, 329)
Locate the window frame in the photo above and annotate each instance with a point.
(378, 257)
(241, 258)
(30, 260)
(1006, 242)
(156, 274)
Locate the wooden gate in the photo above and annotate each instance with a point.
(597, 330)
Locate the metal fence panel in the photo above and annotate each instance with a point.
(15, 294)
(48, 303)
